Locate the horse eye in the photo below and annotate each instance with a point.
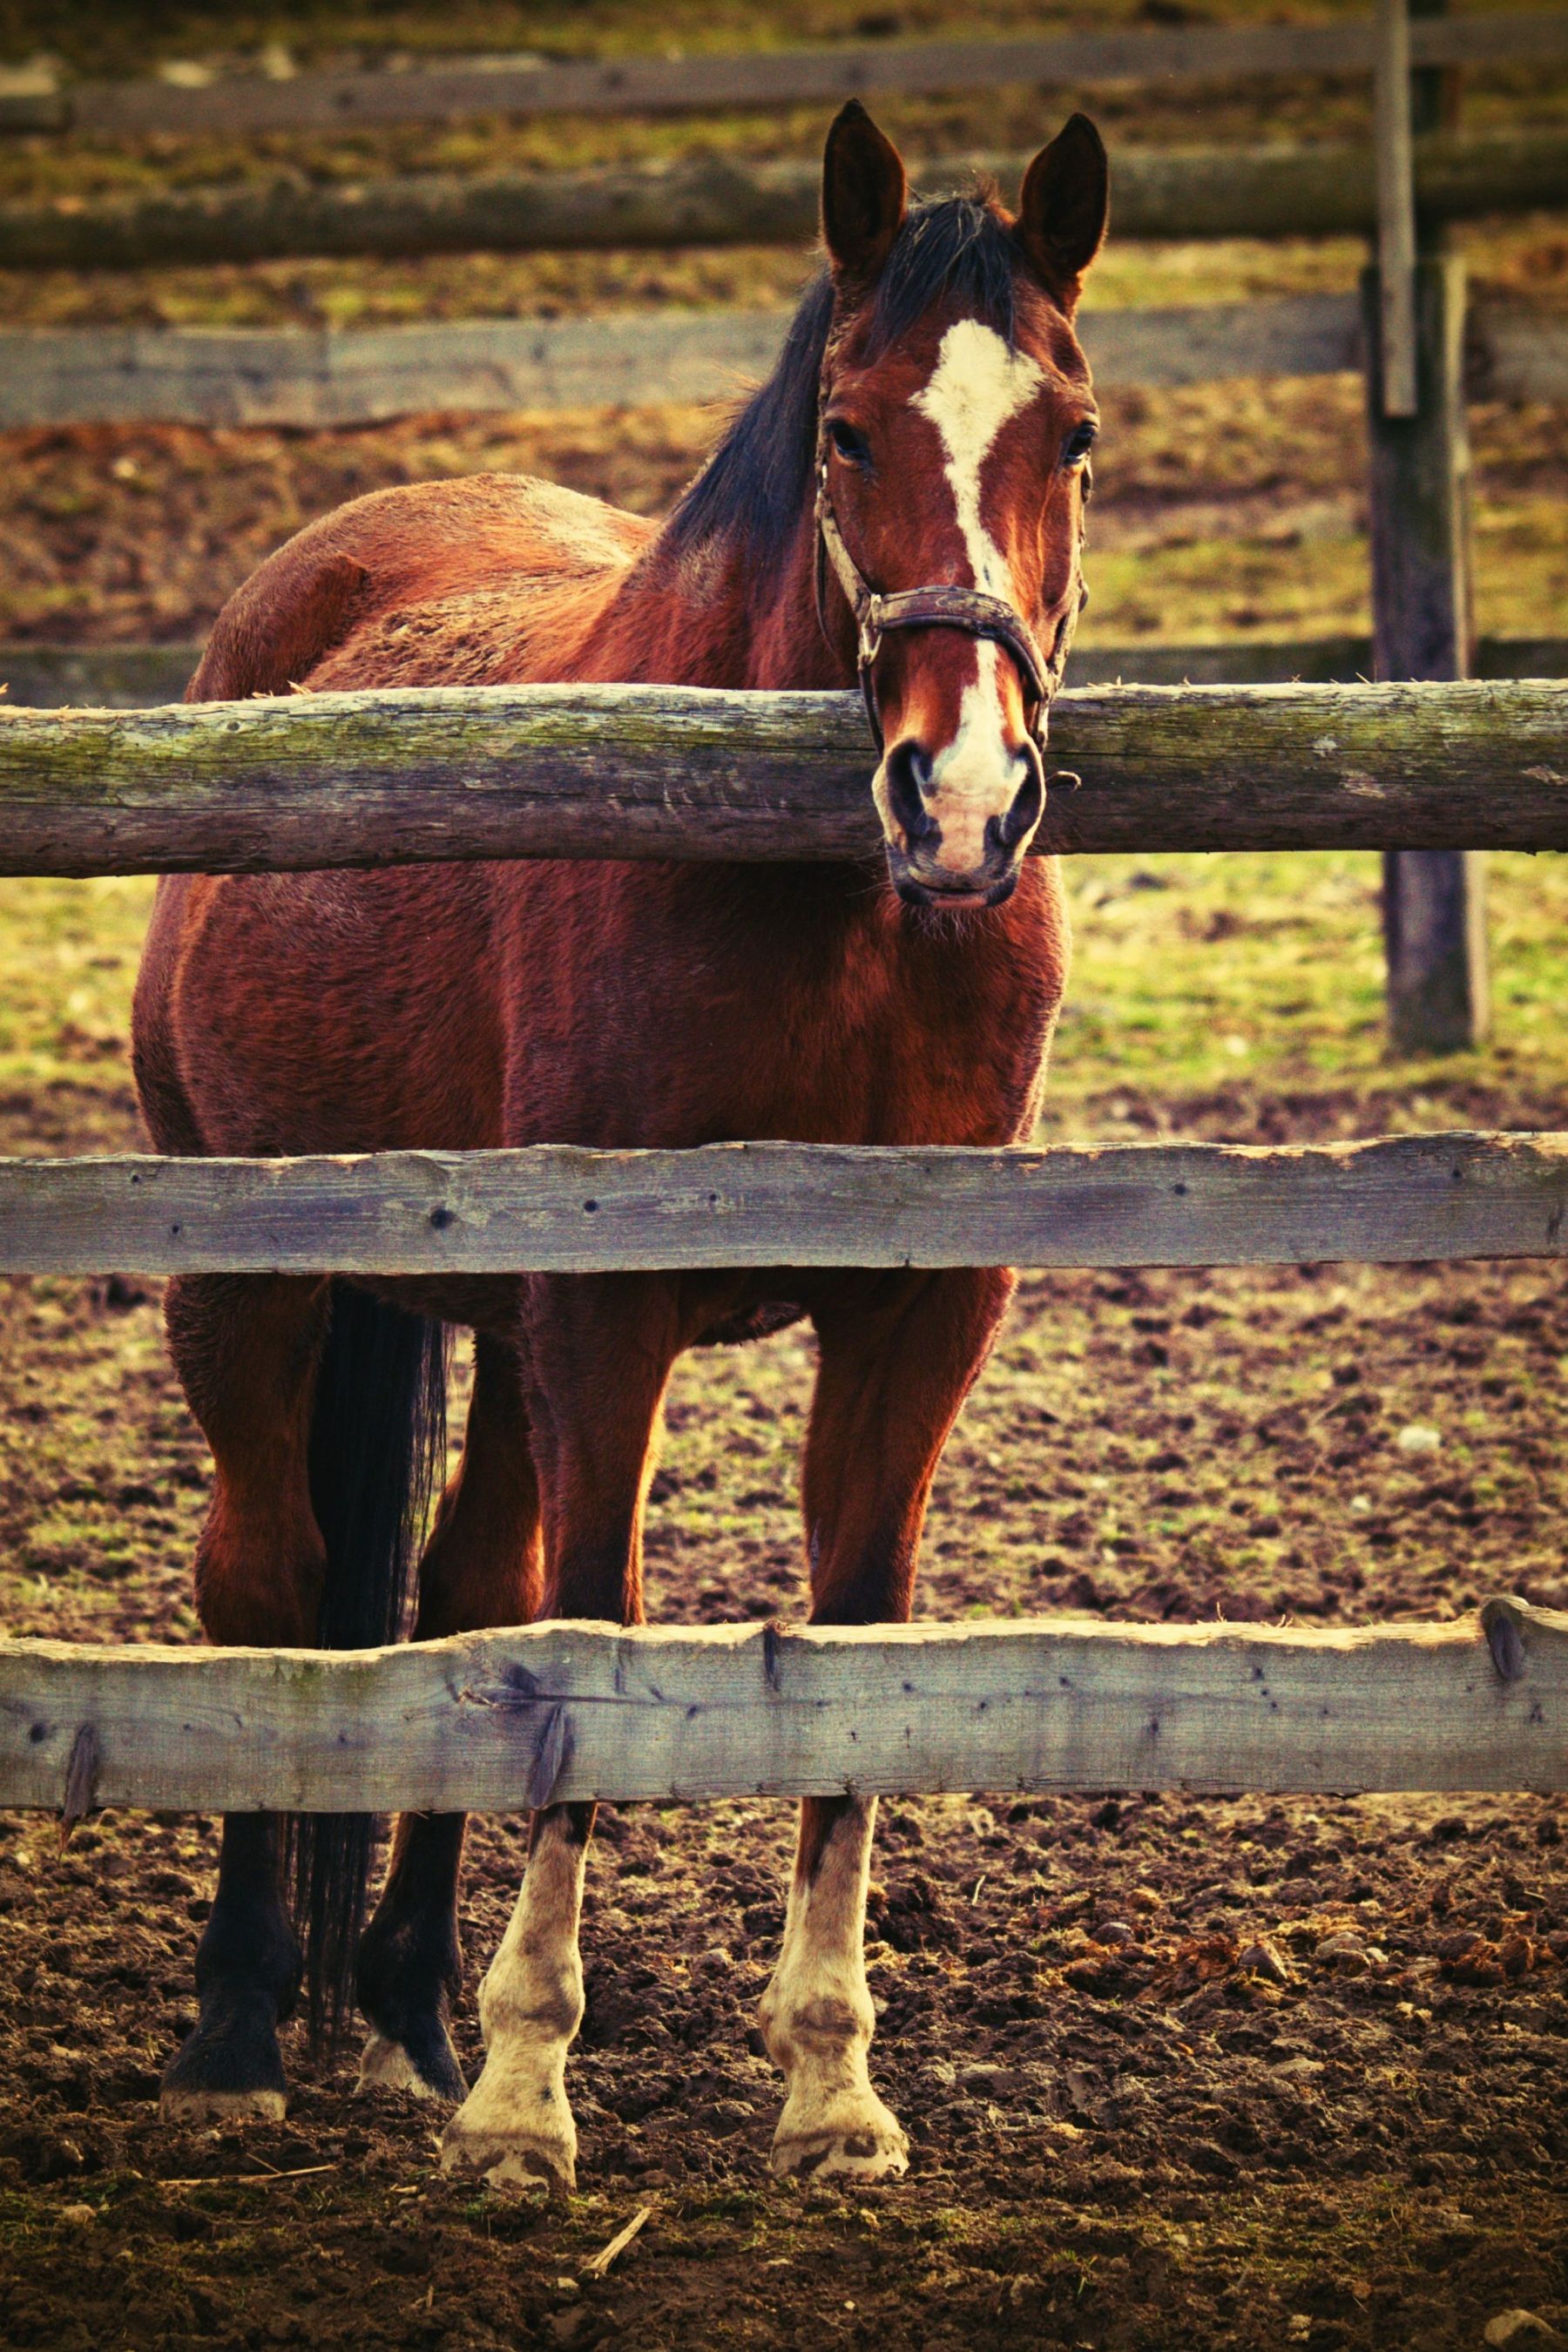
(851, 445)
(1079, 444)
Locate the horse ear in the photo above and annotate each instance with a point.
(1063, 210)
(864, 194)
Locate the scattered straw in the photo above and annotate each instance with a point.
(597, 2264)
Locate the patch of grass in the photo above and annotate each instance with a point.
(1526, 259)
(1285, 586)
(68, 960)
(1201, 973)
(1221, 588)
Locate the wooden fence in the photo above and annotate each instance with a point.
(451, 89)
(406, 775)
(324, 377)
(1325, 190)
(543, 1714)
(559, 1208)
(535, 1714)
(529, 1716)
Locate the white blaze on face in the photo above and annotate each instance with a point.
(977, 384)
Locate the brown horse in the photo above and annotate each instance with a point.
(927, 431)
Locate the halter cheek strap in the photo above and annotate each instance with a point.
(976, 614)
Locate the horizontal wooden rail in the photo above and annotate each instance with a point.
(499, 1722)
(559, 1208)
(43, 676)
(412, 775)
(459, 87)
(1276, 190)
(324, 377)
(320, 377)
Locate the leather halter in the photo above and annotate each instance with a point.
(978, 614)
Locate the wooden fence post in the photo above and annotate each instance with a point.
(1434, 913)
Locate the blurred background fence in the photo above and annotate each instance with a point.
(1422, 349)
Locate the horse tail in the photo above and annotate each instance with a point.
(377, 1455)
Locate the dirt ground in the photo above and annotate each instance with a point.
(1250, 2074)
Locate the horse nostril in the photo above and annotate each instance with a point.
(907, 773)
(1029, 804)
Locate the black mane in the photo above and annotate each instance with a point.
(758, 480)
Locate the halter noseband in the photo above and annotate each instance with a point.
(972, 610)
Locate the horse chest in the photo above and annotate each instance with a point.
(840, 1018)
(949, 1058)
(662, 1005)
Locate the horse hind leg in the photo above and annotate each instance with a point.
(480, 1568)
(411, 1964)
(246, 1349)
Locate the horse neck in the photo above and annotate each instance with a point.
(713, 617)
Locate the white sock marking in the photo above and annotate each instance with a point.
(516, 2123)
(817, 2018)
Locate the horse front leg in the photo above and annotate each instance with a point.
(599, 1351)
(898, 1353)
(516, 2124)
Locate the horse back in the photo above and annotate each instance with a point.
(436, 583)
(428, 583)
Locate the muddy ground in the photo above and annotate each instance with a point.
(1247, 2073)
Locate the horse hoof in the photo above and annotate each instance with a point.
(429, 2070)
(182, 2104)
(877, 2149)
(229, 2068)
(510, 2158)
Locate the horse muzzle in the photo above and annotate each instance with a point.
(946, 848)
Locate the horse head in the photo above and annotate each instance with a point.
(956, 423)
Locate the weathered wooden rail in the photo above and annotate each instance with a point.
(559, 1208)
(1328, 190)
(500, 1721)
(416, 774)
(326, 376)
(453, 87)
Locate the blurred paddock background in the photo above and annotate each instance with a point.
(1226, 515)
